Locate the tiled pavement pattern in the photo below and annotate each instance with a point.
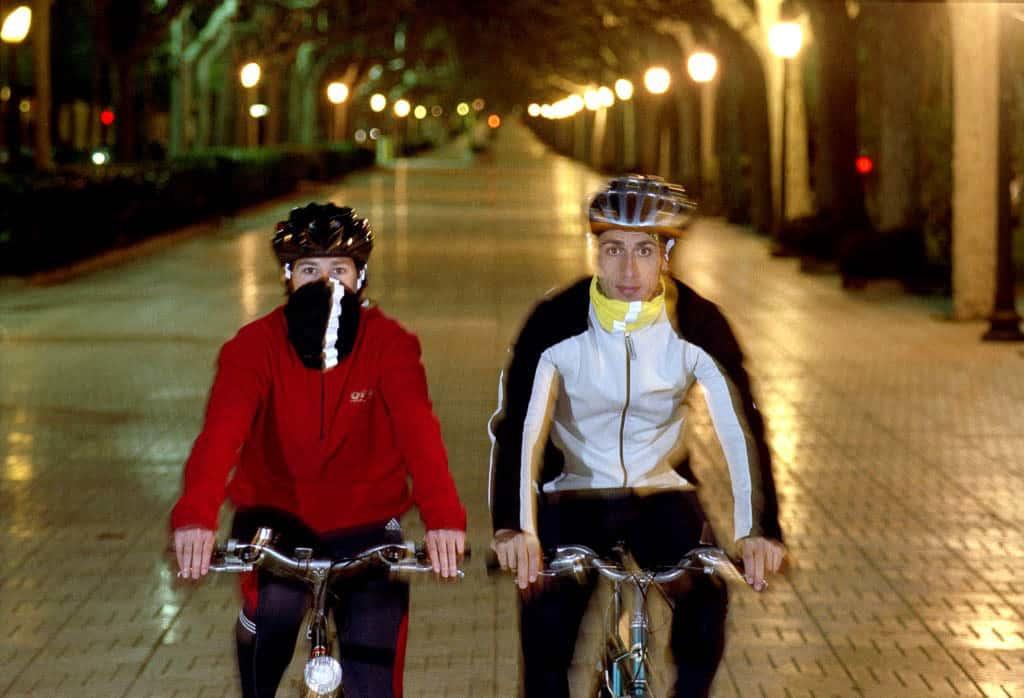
(897, 436)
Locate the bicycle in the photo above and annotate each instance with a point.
(322, 674)
(624, 667)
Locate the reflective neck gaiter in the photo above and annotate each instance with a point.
(322, 321)
(625, 316)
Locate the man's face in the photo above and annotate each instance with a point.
(629, 265)
(310, 269)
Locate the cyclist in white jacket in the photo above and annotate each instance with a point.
(588, 439)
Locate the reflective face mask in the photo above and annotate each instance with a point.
(322, 321)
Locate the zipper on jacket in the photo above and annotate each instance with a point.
(322, 389)
(630, 356)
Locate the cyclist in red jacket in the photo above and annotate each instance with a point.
(318, 416)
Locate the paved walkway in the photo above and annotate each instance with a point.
(898, 437)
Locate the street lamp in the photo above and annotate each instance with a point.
(420, 112)
(402, 108)
(462, 109)
(378, 102)
(533, 110)
(785, 40)
(16, 25)
(702, 66)
(624, 89)
(657, 80)
(250, 75)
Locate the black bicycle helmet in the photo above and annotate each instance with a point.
(641, 202)
(323, 230)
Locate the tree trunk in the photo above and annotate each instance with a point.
(41, 41)
(838, 189)
(127, 117)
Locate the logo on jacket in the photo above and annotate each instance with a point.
(361, 395)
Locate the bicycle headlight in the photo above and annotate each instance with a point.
(322, 676)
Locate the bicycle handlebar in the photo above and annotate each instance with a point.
(573, 560)
(234, 556)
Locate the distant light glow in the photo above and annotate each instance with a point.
(533, 110)
(378, 102)
(99, 158)
(25, 106)
(360, 136)
(420, 112)
(702, 66)
(337, 92)
(623, 89)
(436, 111)
(374, 134)
(462, 109)
(5, 93)
(494, 121)
(479, 104)
(258, 111)
(605, 96)
(16, 25)
(591, 100)
(250, 74)
(402, 108)
(107, 117)
(657, 80)
(785, 39)
(864, 164)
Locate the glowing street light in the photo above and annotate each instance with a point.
(16, 25)
(250, 75)
(378, 102)
(591, 100)
(258, 111)
(337, 92)
(402, 108)
(420, 112)
(657, 80)
(99, 158)
(605, 96)
(533, 110)
(785, 39)
(702, 66)
(623, 89)
(462, 109)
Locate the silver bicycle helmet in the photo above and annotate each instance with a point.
(643, 203)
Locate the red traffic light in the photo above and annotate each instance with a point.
(865, 165)
(107, 117)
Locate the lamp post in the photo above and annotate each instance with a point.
(785, 40)
(13, 31)
(703, 67)
(1004, 323)
(657, 80)
(249, 76)
(337, 93)
(624, 91)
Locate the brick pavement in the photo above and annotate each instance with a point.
(897, 437)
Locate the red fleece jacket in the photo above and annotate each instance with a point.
(334, 448)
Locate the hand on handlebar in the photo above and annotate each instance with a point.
(761, 557)
(445, 547)
(520, 552)
(193, 547)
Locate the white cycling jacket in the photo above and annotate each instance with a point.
(583, 408)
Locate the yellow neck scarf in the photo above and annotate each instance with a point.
(625, 316)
